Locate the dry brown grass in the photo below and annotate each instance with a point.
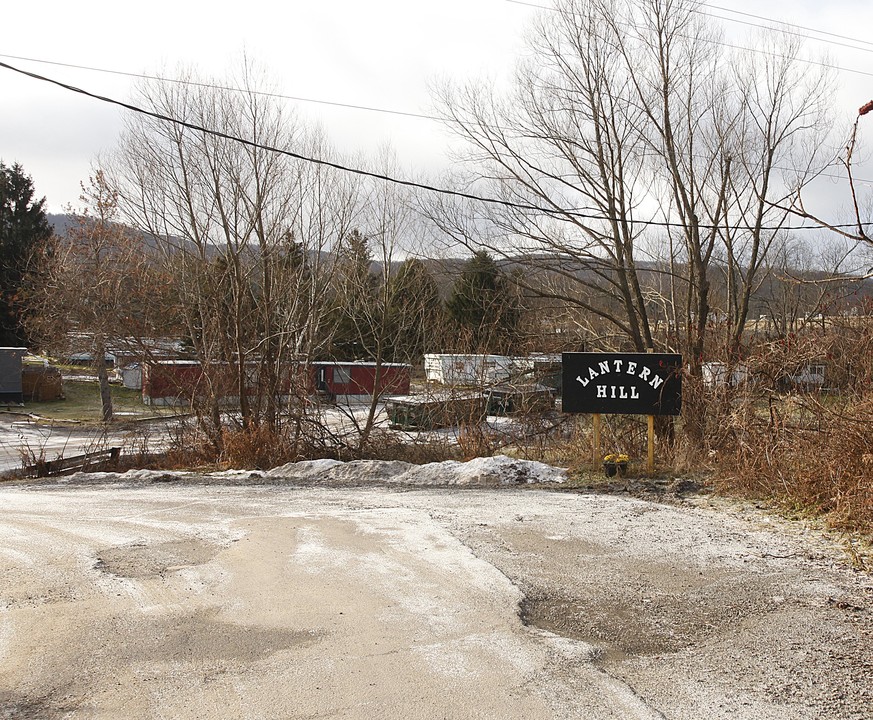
(262, 448)
(259, 448)
(476, 440)
(812, 453)
(384, 445)
(812, 457)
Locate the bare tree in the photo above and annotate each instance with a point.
(94, 289)
(567, 141)
(637, 163)
(771, 128)
(858, 228)
(372, 307)
(245, 229)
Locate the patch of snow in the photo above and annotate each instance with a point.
(355, 471)
(499, 470)
(368, 471)
(151, 475)
(131, 476)
(305, 470)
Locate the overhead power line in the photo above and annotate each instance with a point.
(553, 212)
(365, 108)
(280, 96)
(772, 21)
(215, 86)
(785, 31)
(790, 24)
(759, 51)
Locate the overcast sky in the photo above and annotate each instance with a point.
(378, 53)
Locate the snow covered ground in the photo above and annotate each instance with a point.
(23, 441)
(23, 437)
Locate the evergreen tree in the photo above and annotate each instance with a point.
(416, 315)
(356, 300)
(484, 306)
(24, 233)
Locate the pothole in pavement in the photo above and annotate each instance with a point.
(142, 560)
(637, 619)
(130, 644)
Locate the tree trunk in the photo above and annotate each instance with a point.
(102, 378)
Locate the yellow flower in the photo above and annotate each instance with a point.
(617, 458)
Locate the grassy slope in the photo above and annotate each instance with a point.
(82, 404)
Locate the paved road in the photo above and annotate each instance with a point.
(170, 599)
(23, 441)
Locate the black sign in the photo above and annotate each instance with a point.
(622, 383)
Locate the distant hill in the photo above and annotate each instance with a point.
(60, 223)
(446, 270)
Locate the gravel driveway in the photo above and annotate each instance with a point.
(207, 598)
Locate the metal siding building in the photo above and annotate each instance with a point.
(10, 374)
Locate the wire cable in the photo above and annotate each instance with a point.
(789, 24)
(784, 30)
(215, 86)
(553, 212)
(816, 63)
(366, 108)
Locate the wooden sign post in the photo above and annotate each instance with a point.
(650, 464)
(596, 439)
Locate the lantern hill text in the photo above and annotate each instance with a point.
(620, 367)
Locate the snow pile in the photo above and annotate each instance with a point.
(305, 469)
(150, 475)
(128, 477)
(500, 470)
(238, 474)
(138, 477)
(337, 472)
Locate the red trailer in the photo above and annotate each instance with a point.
(338, 379)
(178, 382)
(172, 382)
